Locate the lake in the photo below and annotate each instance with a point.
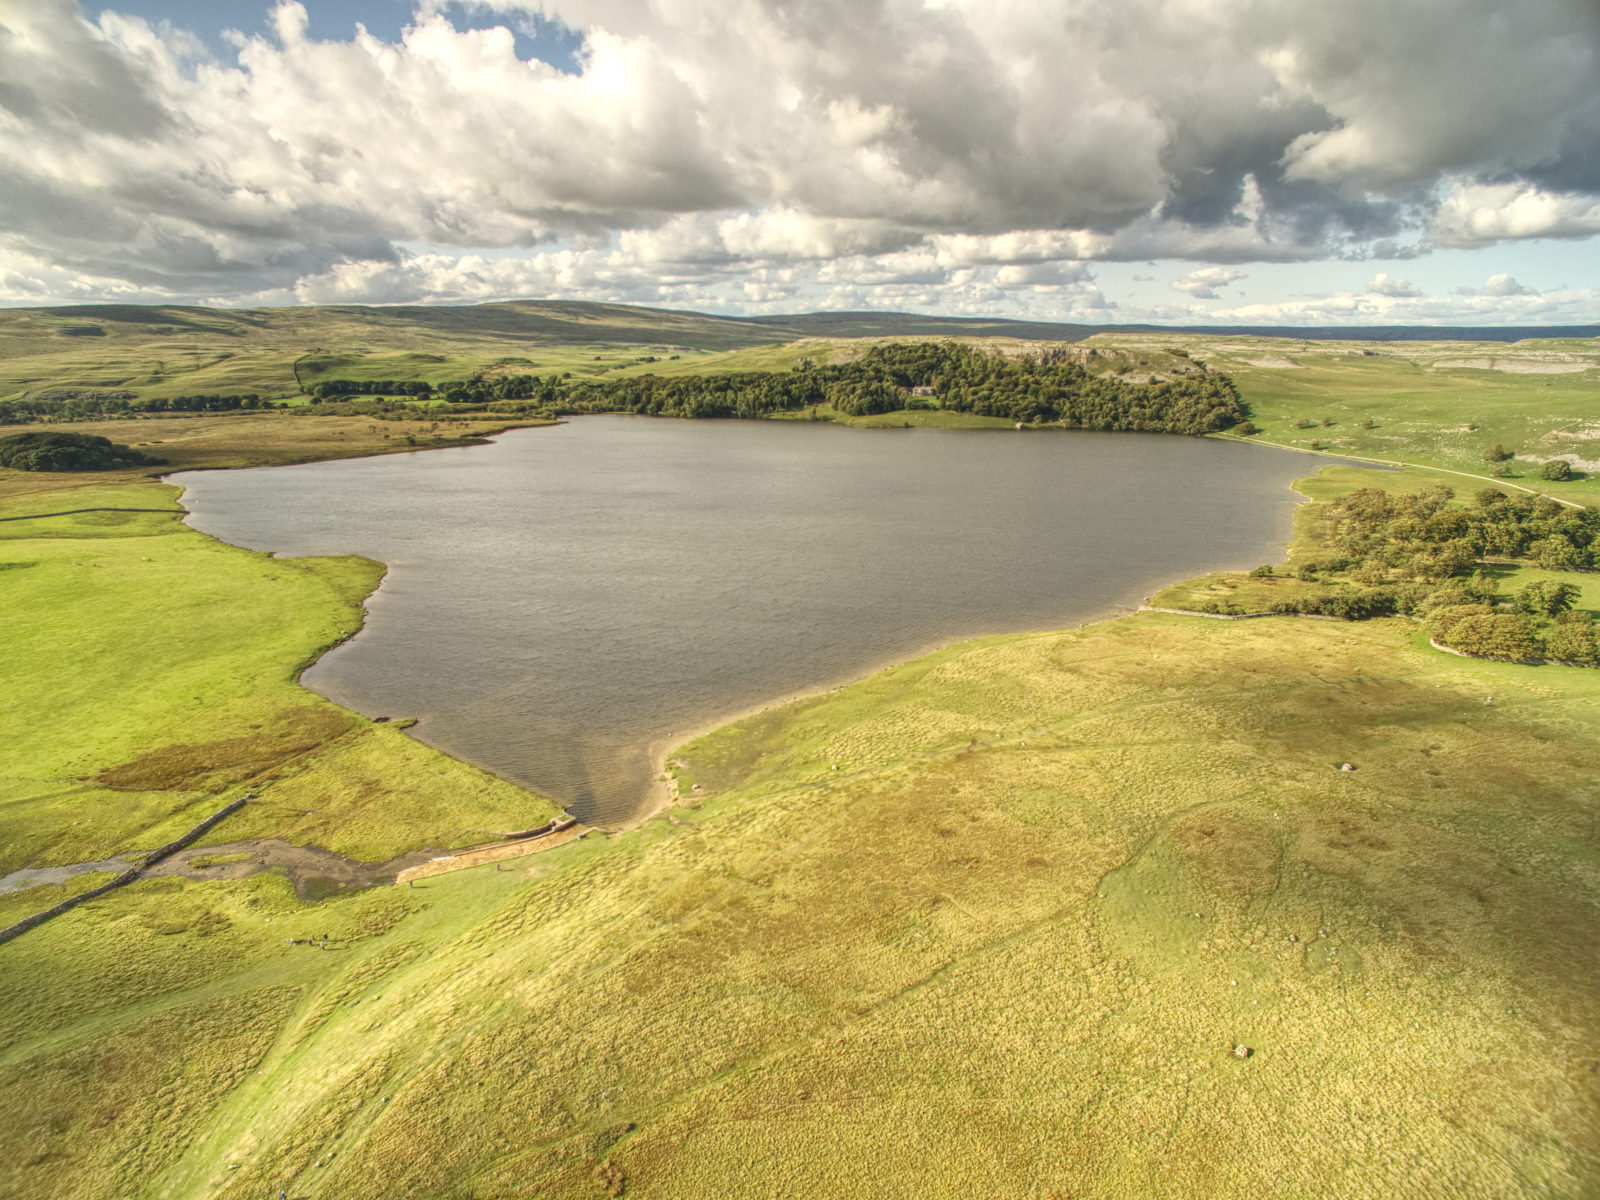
(565, 598)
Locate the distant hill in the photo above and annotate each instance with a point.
(1385, 333)
(564, 321)
(177, 351)
(576, 322)
(876, 324)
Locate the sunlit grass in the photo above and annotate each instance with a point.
(150, 671)
(991, 922)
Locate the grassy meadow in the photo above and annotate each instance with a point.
(992, 922)
(164, 352)
(1437, 404)
(1088, 914)
(150, 674)
(214, 441)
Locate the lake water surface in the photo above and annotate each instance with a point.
(560, 600)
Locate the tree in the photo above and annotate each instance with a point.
(1557, 470)
(1545, 598)
(46, 451)
(1496, 453)
(1557, 553)
(1477, 631)
(1573, 642)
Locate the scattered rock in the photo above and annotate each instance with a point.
(1242, 1051)
(1347, 767)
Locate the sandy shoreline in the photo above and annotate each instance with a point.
(664, 794)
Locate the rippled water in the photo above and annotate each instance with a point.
(562, 599)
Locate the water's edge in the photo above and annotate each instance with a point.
(659, 793)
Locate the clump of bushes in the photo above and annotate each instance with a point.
(1557, 470)
(1419, 556)
(69, 452)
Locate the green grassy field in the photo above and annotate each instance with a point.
(165, 352)
(150, 674)
(992, 922)
(1439, 404)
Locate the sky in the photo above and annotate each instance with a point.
(1170, 161)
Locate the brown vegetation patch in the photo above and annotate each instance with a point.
(1228, 854)
(219, 764)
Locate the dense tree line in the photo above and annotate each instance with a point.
(1045, 387)
(1421, 556)
(371, 387)
(93, 405)
(1419, 536)
(487, 390)
(206, 403)
(51, 451)
(479, 390)
(1050, 386)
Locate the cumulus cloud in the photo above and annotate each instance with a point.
(1474, 215)
(1504, 285)
(1203, 284)
(1566, 306)
(1383, 284)
(744, 149)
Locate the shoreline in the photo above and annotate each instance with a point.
(663, 794)
(660, 794)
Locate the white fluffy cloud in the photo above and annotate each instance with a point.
(1568, 306)
(1203, 284)
(752, 151)
(1384, 284)
(1474, 215)
(1504, 285)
